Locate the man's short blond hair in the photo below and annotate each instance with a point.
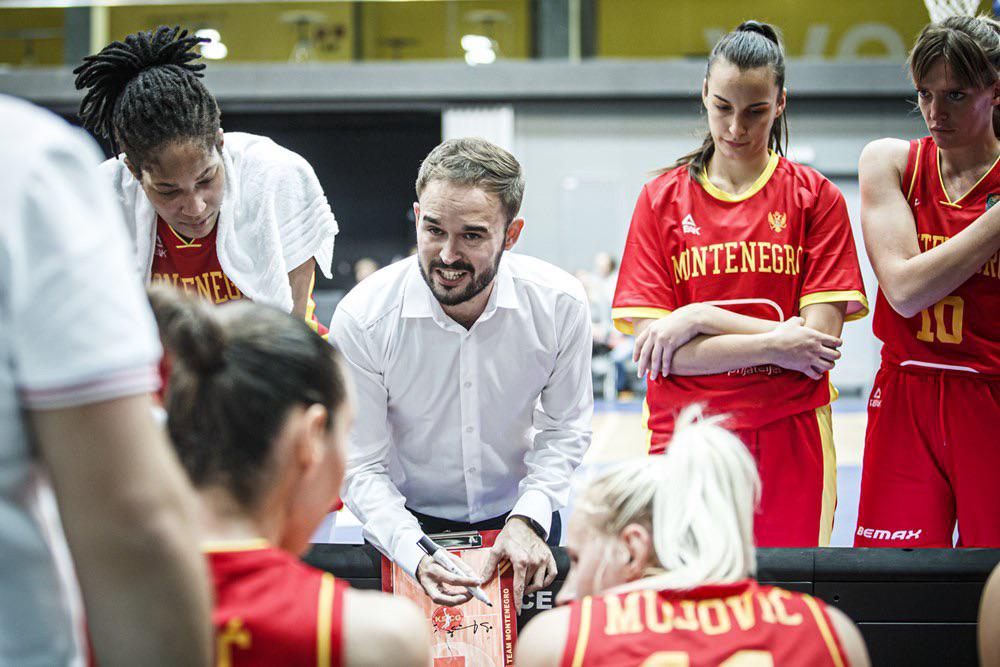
(477, 162)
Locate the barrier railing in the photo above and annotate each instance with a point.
(914, 606)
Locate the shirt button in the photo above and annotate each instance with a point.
(469, 429)
(467, 385)
(472, 469)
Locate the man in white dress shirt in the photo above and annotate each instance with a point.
(472, 368)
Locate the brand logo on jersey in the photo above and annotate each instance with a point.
(876, 534)
(991, 199)
(916, 202)
(777, 221)
(876, 400)
(687, 224)
(161, 251)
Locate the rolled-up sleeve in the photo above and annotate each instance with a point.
(369, 492)
(562, 419)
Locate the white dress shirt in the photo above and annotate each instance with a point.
(464, 424)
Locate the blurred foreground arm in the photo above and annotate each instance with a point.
(126, 512)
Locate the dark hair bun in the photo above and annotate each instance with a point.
(189, 329)
(765, 29)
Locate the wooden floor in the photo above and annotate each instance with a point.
(618, 434)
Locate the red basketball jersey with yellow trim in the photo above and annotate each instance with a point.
(273, 609)
(193, 266)
(723, 625)
(962, 331)
(783, 244)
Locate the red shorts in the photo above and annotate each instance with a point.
(932, 456)
(797, 463)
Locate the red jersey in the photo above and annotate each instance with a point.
(732, 624)
(273, 609)
(962, 331)
(193, 265)
(783, 244)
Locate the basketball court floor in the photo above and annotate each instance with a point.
(618, 434)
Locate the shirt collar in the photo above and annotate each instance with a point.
(419, 301)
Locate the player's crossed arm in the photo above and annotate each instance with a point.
(910, 279)
(699, 339)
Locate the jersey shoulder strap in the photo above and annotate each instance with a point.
(912, 168)
(578, 634)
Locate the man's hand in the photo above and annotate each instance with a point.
(444, 587)
(800, 348)
(527, 552)
(656, 343)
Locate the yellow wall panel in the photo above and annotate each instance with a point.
(252, 31)
(837, 29)
(433, 30)
(15, 27)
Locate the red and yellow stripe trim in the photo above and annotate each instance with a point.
(584, 634)
(624, 317)
(824, 420)
(916, 168)
(324, 620)
(825, 631)
(850, 296)
(228, 546)
(954, 202)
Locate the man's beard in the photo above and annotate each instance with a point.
(454, 296)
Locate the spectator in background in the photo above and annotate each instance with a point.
(363, 268)
(224, 215)
(78, 354)
(612, 348)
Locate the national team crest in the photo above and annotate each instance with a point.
(992, 199)
(777, 221)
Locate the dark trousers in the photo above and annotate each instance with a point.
(432, 524)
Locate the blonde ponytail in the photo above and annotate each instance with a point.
(698, 501)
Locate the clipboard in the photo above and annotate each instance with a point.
(471, 634)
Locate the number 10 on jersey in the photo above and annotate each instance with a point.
(942, 329)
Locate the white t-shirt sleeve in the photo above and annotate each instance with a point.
(81, 330)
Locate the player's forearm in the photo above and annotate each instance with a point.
(713, 320)
(301, 280)
(919, 282)
(707, 355)
(127, 512)
(156, 578)
(702, 318)
(825, 317)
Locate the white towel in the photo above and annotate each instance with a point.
(274, 217)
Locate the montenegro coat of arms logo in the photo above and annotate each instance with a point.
(777, 221)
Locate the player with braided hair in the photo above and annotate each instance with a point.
(224, 215)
